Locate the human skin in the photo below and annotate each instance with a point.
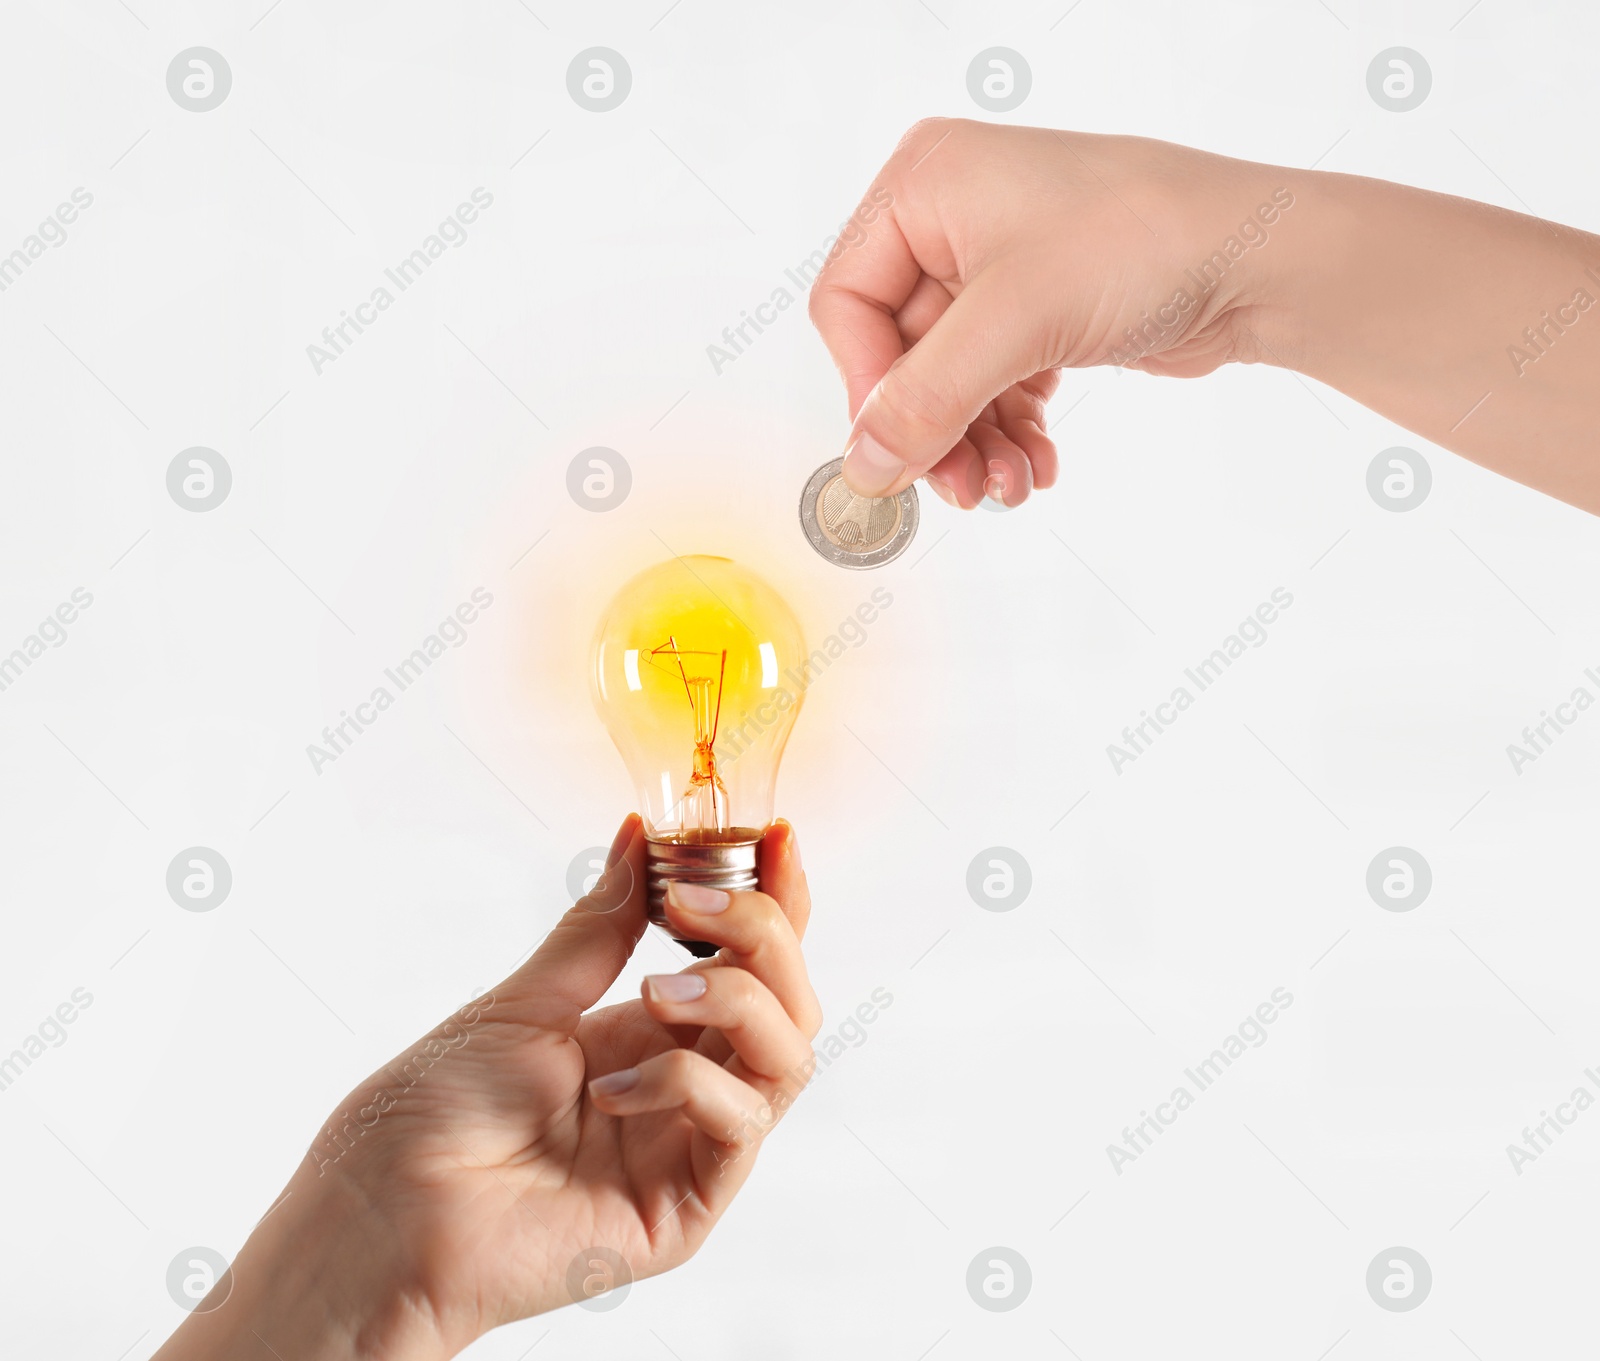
(523, 1146)
(1008, 254)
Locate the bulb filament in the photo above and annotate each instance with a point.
(705, 802)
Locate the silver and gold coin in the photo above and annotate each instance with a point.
(855, 531)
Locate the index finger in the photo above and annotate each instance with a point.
(782, 878)
(755, 935)
(857, 293)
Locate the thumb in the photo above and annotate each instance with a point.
(582, 957)
(922, 406)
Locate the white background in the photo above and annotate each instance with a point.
(373, 898)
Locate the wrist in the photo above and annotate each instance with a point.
(320, 1279)
(1306, 273)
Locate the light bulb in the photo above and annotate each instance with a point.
(698, 674)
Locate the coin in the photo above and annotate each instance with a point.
(855, 531)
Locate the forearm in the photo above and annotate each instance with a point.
(1475, 327)
(317, 1280)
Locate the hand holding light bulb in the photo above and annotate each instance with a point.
(539, 1146)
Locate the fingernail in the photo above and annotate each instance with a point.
(613, 1084)
(619, 843)
(698, 898)
(675, 987)
(994, 485)
(941, 491)
(869, 468)
(794, 846)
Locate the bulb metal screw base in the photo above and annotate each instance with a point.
(725, 860)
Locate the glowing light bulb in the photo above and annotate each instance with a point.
(697, 675)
